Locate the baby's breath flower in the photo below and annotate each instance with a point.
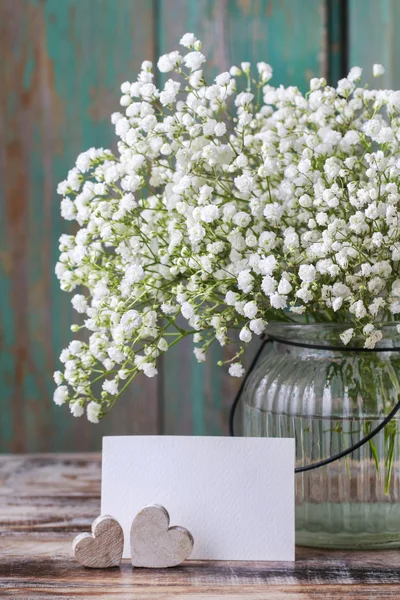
(245, 335)
(93, 412)
(188, 40)
(346, 336)
(288, 207)
(378, 70)
(194, 60)
(236, 370)
(60, 395)
(199, 354)
(76, 408)
(110, 386)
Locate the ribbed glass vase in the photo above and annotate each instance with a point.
(327, 400)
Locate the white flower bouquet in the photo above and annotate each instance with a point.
(231, 204)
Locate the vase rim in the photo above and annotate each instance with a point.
(329, 333)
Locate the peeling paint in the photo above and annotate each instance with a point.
(102, 104)
(62, 68)
(30, 78)
(323, 50)
(61, 61)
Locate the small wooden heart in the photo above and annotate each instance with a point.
(103, 547)
(156, 545)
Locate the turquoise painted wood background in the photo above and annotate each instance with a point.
(61, 64)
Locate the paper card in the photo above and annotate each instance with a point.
(235, 495)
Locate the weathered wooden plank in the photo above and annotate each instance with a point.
(337, 40)
(211, 593)
(290, 35)
(373, 39)
(64, 61)
(192, 393)
(154, 544)
(44, 493)
(61, 67)
(54, 578)
(37, 563)
(102, 548)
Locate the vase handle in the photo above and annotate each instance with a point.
(326, 461)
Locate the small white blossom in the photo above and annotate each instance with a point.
(60, 395)
(188, 40)
(236, 370)
(58, 378)
(149, 370)
(245, 281)
(268, 265)
(265, 71)
(76, 408)
(257, 326)
(278, 301)
(307, 273)
(110, 386)
(79, 303)
(284, 286)
(226, 211)
(93, 412)
(220, 129)
(199, 354)
(346, 336)
(245, 335)
(162, 345)
(223, 78)
(378, 70)
(354, 74)
(358, 309)
(268, 285)
(250, 309)
(244, 183)
(187, 310)
(194, 60)
(167, 62)
(209, 213)
(235, 71)
(242, 219)
(373, 337)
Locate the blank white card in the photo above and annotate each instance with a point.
(235, 495)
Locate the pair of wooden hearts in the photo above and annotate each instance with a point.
(153, 543)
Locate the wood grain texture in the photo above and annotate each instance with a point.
(154, 544)
(41, 497)
(61, 66)
(103, 547)
(337, 40)
(373, 39)
(292, 37)
(62, 63)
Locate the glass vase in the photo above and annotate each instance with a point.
(328, 400)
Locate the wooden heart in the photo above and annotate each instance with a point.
(156, 545)
(103, 547)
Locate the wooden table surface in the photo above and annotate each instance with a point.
(45, 500)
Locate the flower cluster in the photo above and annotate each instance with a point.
(231, 204)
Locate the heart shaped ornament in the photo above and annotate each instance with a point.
(103, 547)
(156, 545)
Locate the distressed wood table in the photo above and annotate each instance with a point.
(45, 500)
